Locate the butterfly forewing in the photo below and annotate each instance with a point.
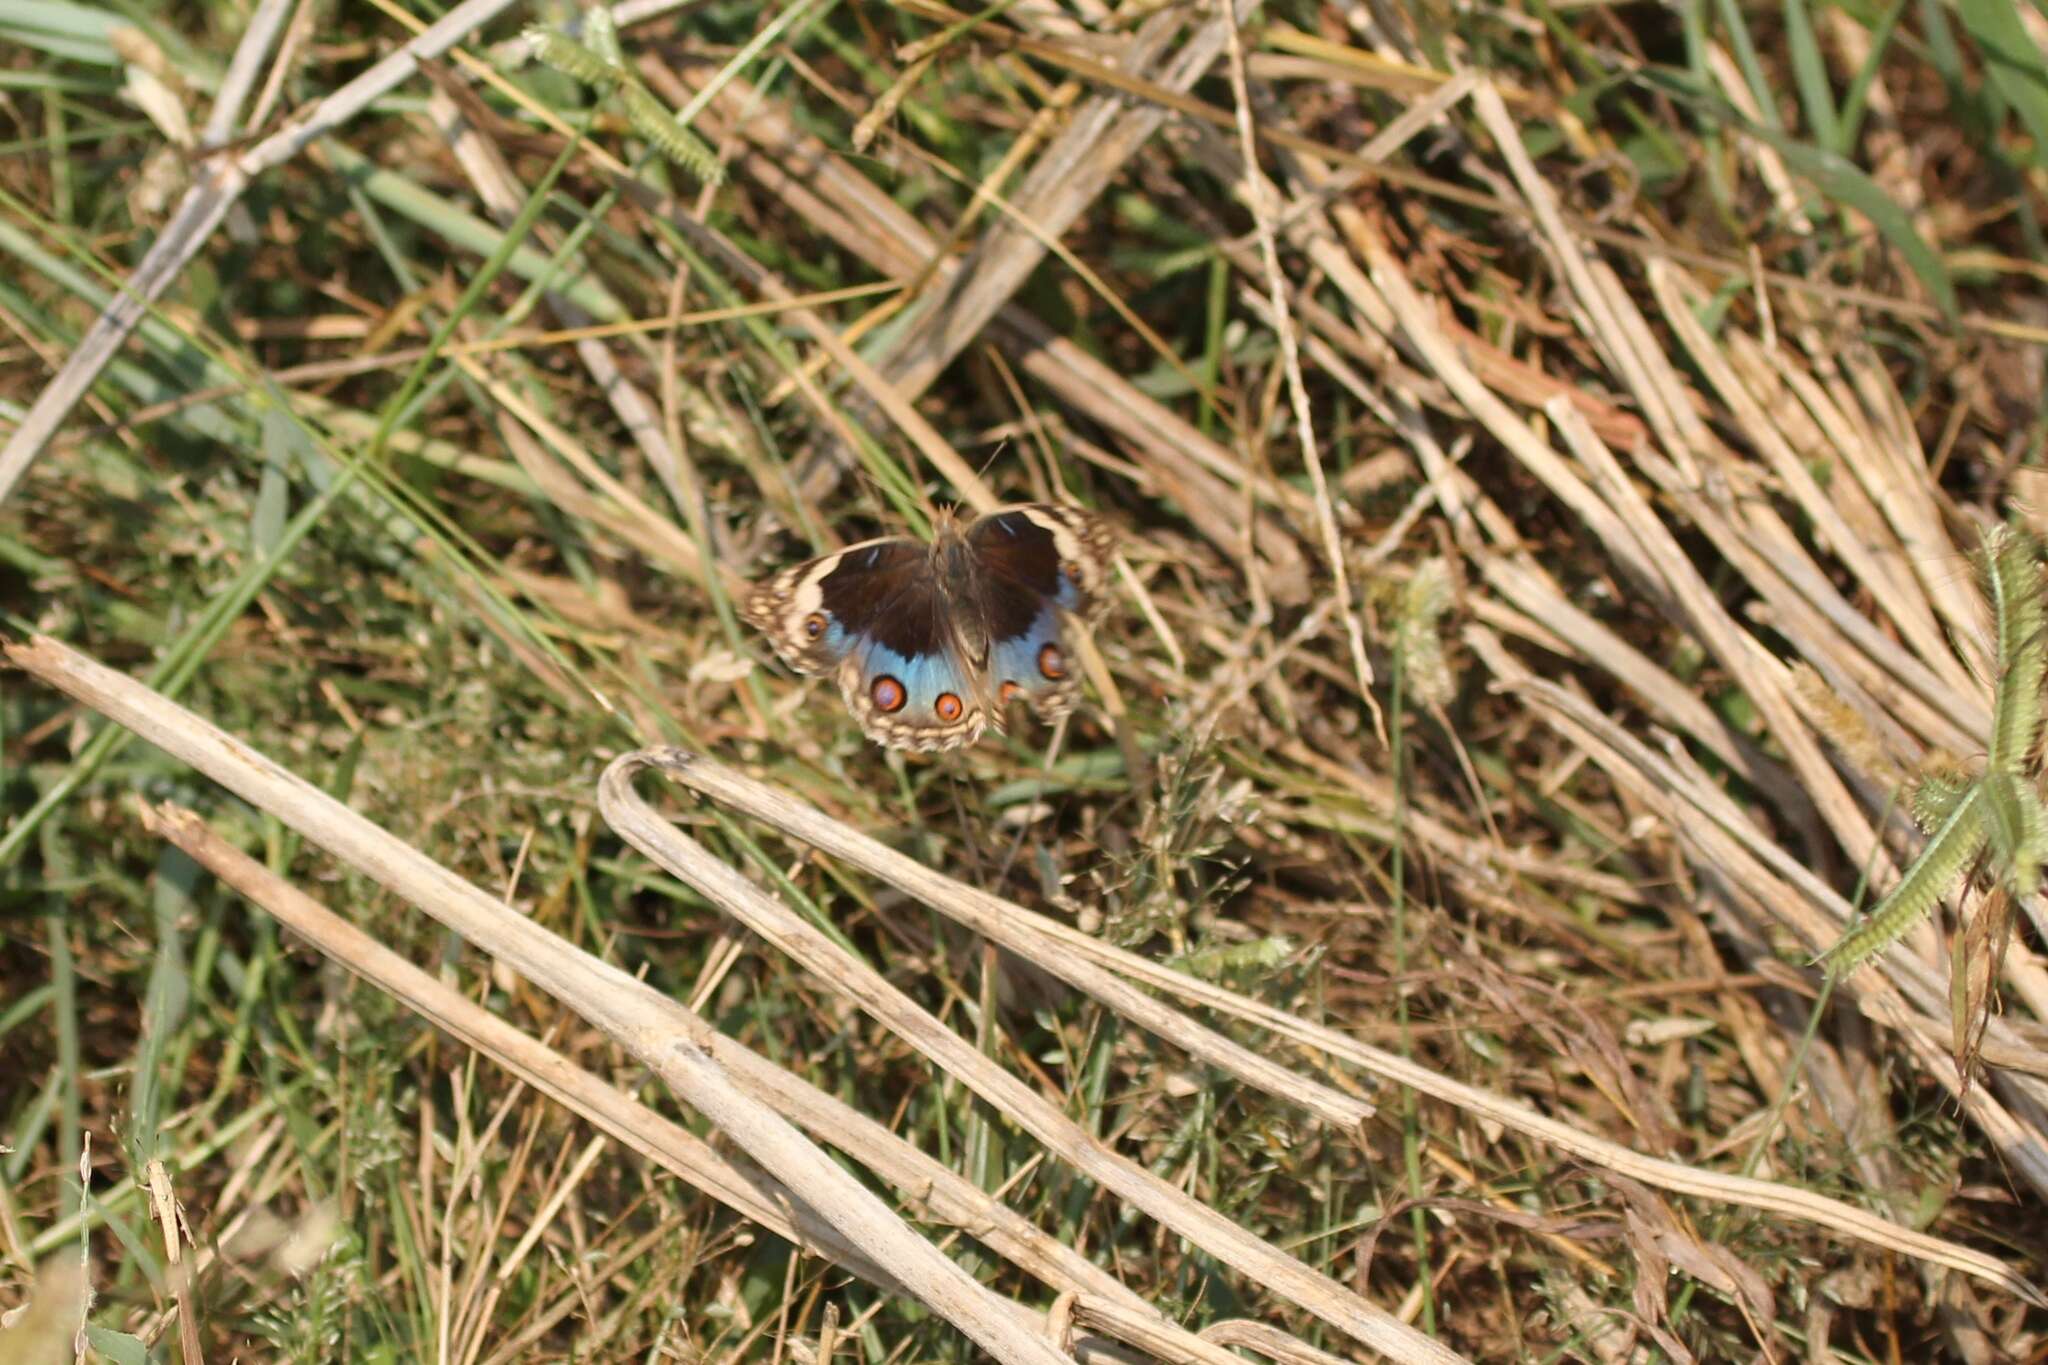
(885, 593)
(790, 607)
(1062, 553)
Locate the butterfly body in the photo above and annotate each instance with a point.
(929, 642)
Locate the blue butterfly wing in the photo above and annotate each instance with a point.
(1035, 665)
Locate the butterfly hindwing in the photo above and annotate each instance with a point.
(1034, 665)
(917, 701)
(874, 617)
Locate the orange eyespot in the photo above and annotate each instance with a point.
(814, 625)
(948, 707)
(887, 694)
(1052, 663)
(1009, 692)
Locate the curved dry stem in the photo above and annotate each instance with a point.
(1080, 960)
(647, 830)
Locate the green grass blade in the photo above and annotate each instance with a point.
(1856, 102)
(1810, 74)
(2014, 64)
(76, 33)
(1748, 62)
(1944, 53)
(118, 1347)
(1845, 183)
(163, 1007)
(1833, 175)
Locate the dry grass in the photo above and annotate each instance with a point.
(1549, 443)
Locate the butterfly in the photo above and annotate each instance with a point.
(930, 643)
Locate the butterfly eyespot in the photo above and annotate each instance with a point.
(1008, 692)
(1051, 662)
(948, 707)
(887, 694)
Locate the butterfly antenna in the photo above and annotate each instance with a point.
(993, 456)
(878, 496)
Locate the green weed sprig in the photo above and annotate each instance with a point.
(1999, 812)
(601, 66)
